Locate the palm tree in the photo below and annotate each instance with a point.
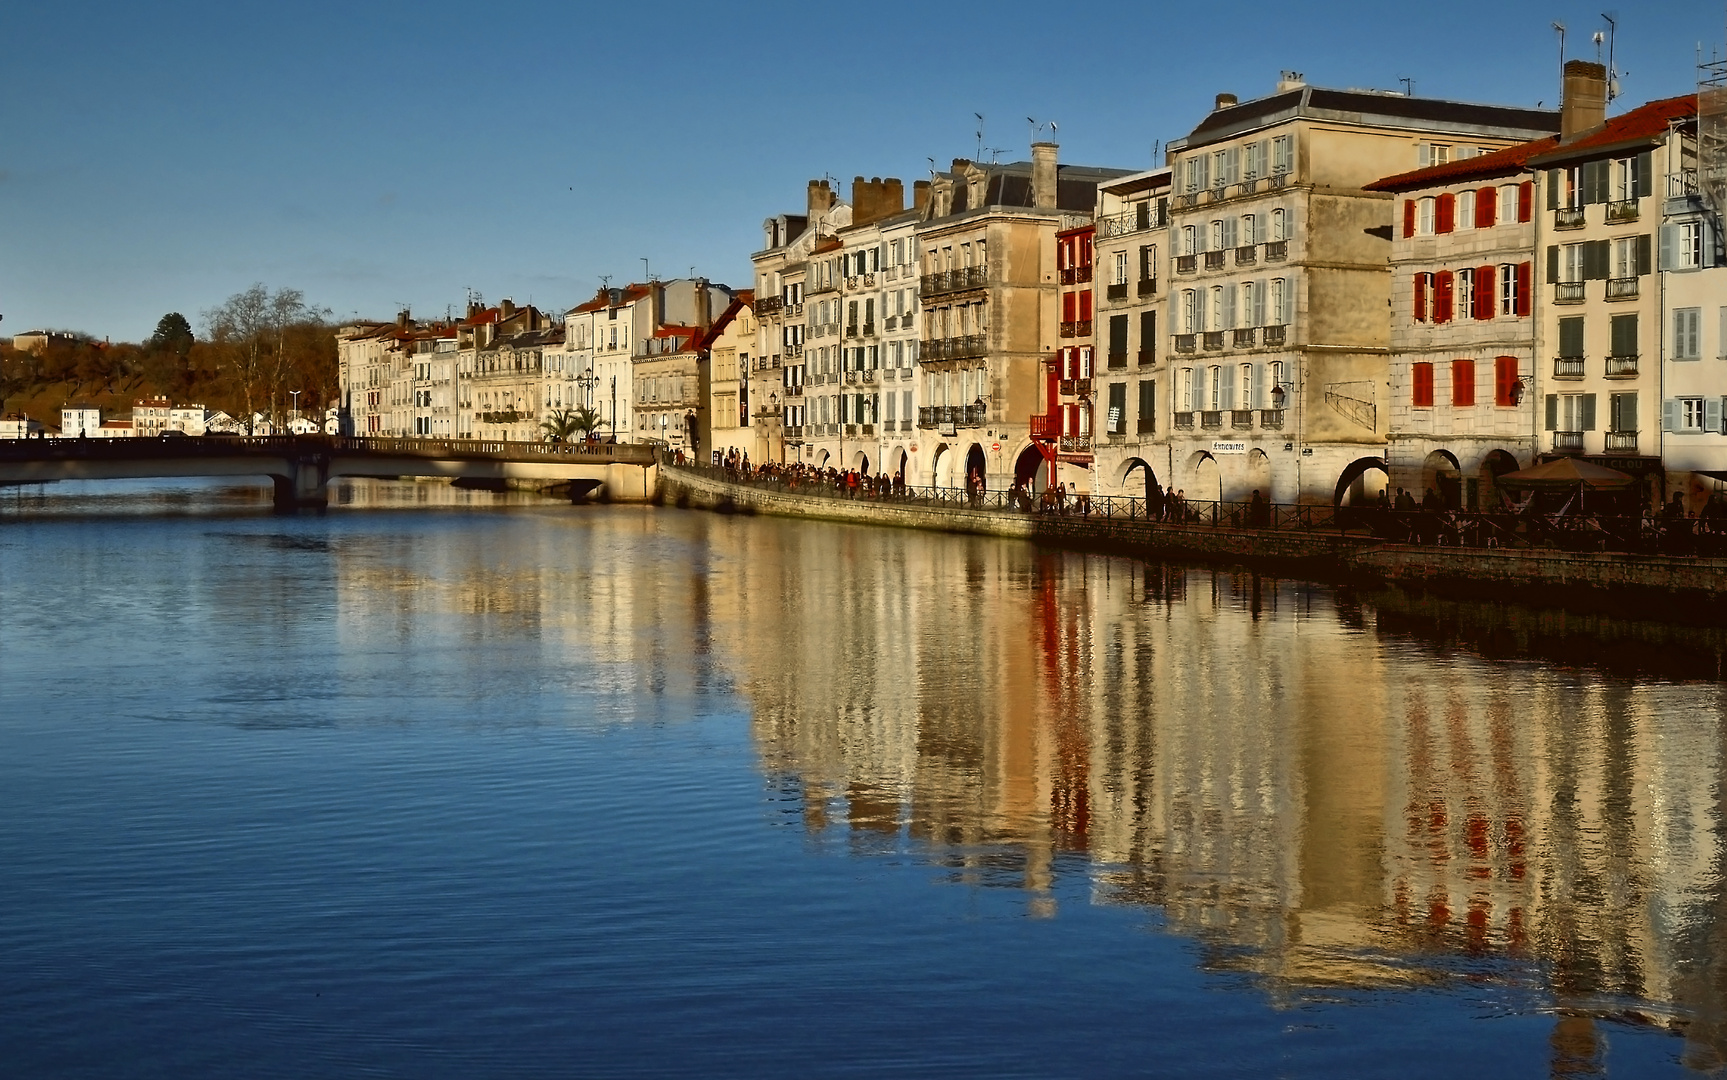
(566, 424)
(560, 426)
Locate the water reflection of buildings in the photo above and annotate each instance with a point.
(1325, 804)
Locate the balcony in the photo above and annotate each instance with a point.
(1184, 421)
(968, 347)
(1568, 292)
(1118, 291)
(1147, 357)
(1148, 286)
(1075, 388)
(1246, 256)
(869, 329)
(1275, 335)
(946, 281)
(794, 391)
(852, 330)
(1622, 211)
(768, 305)
(1211, 420)
(1568, 367)
(794, 431)
(1186, 264)
(1186, 343)
(926, 417)
(1241, 419)
(1076, 444)
(1277, 181)
(1188, 199)
(1243, 339)
(1622, 367)
(851, 378)
(794, 349)
(1069, 328)
(1568, 217)
(1622, 288)
(1215, 260)
(1046, 427)
(971, 416)
(1271, 419)
(1276, 250)
(1213, 339)
(1137, 220)
(868, 375)
(891, 322)
(1621, 442)
(1117, 359)
(1067, 275)
(1568, 442)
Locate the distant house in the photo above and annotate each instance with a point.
(114, 429)
(35, 341)
(216, 420)
(80, 421)
(150, 416)
(19, 426)
(191, 419)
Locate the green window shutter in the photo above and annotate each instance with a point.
(1624, 335)
(1643, 259)
(1552, 189)
(1571, 336)
(1118, 335)
(1553, 263)
(1147, 406)
(1645, 173)
(1588, 420)
(1597, 259)
(1552, 412)
(1117, 408)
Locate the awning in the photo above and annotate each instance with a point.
(1563, 475)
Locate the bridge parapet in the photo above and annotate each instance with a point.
(302, 446)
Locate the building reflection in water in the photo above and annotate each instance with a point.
(1317, 786)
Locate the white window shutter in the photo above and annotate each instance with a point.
(1712, 414)
(1258, 387)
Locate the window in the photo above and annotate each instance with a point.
(1216, 237)
(1443, 296)
(1253, 161)
(1148, 336)
(1215, 388)
(1622, 413)
(1244, 386)
(1466, 215)
(1252, 304)
(1625, 257)
(1189, 311)
(1432, 154)
(1279, 226)
(1219, 166)
(1426, 215)
(1422, 393)
(1186, 384)
(1570, 412)
(1624, 334)
(1513, 288)
(1466, 299)
(1691, 414)
(1189, 240)
(1624, 182)
(1505, 381)
(1572, 263)
(1120, 268)
(1274, 371)
(1115, 421)
(1282, 154)
(1147, 406)
(1687, 327)
(1422, 289)
(1279, 302)
(1215, 313)
(1507, 202)
(1462, 383)
(1571, 337)
(1688, 245)
(1247, 237)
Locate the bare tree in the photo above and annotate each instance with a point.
(257, 327)
(241, 324)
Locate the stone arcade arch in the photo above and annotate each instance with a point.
(1145, 486)
(976, 467)
(1360, 482)
(1496, 464)
(1441, 473)
(1031, 470)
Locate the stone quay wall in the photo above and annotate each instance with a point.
(1571, 579)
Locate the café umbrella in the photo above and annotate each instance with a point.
(1566, 476)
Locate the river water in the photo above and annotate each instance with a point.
(456, 784)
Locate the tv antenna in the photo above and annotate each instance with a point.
(1408, 85)
(1559, 28)
(1612, 72)
(979, 133)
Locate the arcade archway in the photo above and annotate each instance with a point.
(1361, 482)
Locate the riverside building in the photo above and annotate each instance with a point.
(1280, 343)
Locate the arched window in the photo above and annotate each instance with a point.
(1279, 225)
(1466, 210)
(1426, 215)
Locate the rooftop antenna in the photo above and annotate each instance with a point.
(1559, 27)
(979, 133)
(1052, 131)
(1612, 73)
(1408, 85)
(645, 272)
(1033, 124)
(606, 282)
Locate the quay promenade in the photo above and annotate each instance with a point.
(1465, 554)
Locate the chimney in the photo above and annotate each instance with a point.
(1225, 101)
(402, 317)
(821, 198)
(919, 196)
(506, 308)
(1290, 80)
(1583, 106)
(1043, 175)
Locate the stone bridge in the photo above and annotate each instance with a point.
(301, 465)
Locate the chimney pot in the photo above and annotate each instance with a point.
(1225, 101)
(1043, 175)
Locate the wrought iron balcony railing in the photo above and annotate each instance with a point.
(1622, 367)
(1567, 367)
(1568, 217)
(1622, 288)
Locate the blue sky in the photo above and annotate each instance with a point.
(161, 157)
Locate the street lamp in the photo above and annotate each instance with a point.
(779, 422)
(295, 394)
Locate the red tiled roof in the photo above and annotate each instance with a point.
(603, 299)
(1644, 122)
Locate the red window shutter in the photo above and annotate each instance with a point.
(1486, 207)
(1442, 296)
(1462, 382)
(1069, 305)
(1523, 275)
(1408, 218)
(1423, 396)
(1085, 306)
(1486, 300)
(1505, 381)
(1447, 213)
(1420, 297)
(1525, 199)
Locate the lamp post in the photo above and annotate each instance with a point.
(614, 408)
(779, 423)
(295, 394)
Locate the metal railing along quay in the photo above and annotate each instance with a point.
(1528, 530)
